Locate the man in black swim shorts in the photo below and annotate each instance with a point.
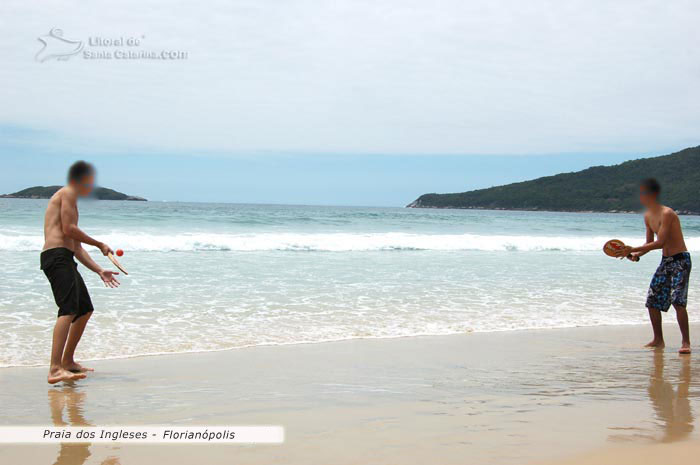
(669, 286)
(63, 241)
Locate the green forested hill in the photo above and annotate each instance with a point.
(45, 192)
(599, 188)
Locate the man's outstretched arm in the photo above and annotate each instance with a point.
(69, 224)
(83, 257)
(106, 275)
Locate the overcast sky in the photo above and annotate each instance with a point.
(408, 79)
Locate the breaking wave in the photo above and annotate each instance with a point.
(331, 242)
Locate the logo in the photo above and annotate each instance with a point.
(57, 47)
(99, 48)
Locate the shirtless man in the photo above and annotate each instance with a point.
(62, 241)
(669, 286)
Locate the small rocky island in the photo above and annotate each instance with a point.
(45, 192)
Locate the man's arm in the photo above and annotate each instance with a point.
(634, 256)
(666, 222)
(83, 257)
(106, 275)
(69, 224)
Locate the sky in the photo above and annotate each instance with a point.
(340, 102)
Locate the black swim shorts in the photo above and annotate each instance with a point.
(670, 282)
(69, 290)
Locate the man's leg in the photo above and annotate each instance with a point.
(74, 335)
(655, 317)
(60, 334)
(682, 317)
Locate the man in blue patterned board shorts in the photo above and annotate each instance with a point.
(669, 286)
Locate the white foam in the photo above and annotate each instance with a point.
(333, 242)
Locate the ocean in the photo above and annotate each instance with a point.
(215, 276)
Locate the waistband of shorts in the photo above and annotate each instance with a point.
(58, 251)
(678, 256)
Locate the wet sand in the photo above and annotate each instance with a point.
(574, 396)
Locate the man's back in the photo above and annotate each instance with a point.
(53, 228)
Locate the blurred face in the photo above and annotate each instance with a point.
(85, 185)
(646, 197)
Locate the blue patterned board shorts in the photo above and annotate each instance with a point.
(670, 282)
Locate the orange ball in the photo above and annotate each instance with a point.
(120, 252)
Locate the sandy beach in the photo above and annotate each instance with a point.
(583, 395)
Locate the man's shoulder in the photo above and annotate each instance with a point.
(65, 193)
(669, 212)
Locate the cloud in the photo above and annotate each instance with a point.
(359, 76)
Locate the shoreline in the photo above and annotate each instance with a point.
(341, 340)
(494, 209)
(490, 398)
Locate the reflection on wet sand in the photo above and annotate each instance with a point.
(669, 391)
(672, 406)
(71, 400)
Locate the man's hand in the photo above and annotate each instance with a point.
(623, 252)
(108, 278)
(104, 248)
(633, 257)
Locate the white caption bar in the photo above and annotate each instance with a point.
(143, 434)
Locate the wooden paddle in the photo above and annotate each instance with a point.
(116, 263)
(614, 245)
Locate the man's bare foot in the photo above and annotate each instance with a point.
(685, 349)
(656, 344)
(76, 367)
(60, 374)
